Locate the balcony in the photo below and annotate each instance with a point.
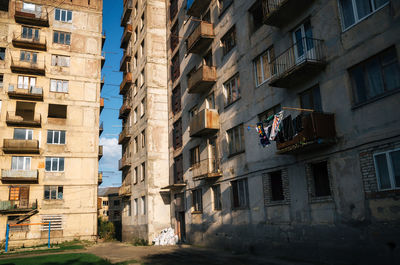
(100, 151)
(206, 122)
(17, 206)
(32, 43)
(125, 135)
(28, 68)
(102, 83)
(101, 128)
(280, 12)
(10, 175)
(126, 36)
(318, 131)
(16, 146)
(123, 65)
(202, 79)
(206, 169)
(103, 39)
(28, 119)
(100, 178)
(126, 83)
(101, 104)
(37, 16)
(298, 64)
(201, 38)
(103, 59)
(32, 93)
(198, 7)
(125, 190)
(124, 163)
(126, 12)
(125, 109)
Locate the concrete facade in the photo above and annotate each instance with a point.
(354, 220)
(144, 115)
(110, 205)
(49, 119)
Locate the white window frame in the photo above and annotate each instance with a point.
(242, 137)
(59, 86)
(59, 137)
(61, 12)
(228, 89)
(28, 133)
(26, 163)
(260, 60)
(51, 164)
(60, 60)
(355, 13)
(26, 82)
(390, 169)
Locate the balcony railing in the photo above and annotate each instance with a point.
(29, 42)
(207, 168)
(11, 175)
(28, 68)
(32, 14)
(100, 178)
(201, 38)
(124, 163)
(16, 146)
(125, 135)
(126, 36)
(125, 109)
(318, 130)
(125, 190)
(101, 104)
(280, 12)
(303, 60)
(28, 119)
(102, 83)
(126, 13)
(25, 92)
(127, 56)
(100, 151)
(198, 7)
(18, 206)
(101, 128)
(204, 123)
(126, 83)
(202, 79)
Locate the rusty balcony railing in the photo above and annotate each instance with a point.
(17, 146)
(23, 91)
(201, 38)
(204, 123)
(197, 8)
(100, 151)
(202, 79)
(100, 178)
(125, 135)
(302, 60)
(126, 36)
(23, 118)
(124, 163)
(280, 12)
(31, 14)
(125, 109)
(18, 206)
(207, 168)
(126, 13)
(28, 67)
(101, 104)
(126, 83)
(12, 175)
(33, 41)
(318, 130)
(127, 56)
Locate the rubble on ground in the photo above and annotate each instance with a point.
(167, 237)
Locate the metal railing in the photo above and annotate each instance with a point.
(18, 205)
(100, 150)
(25, 89)
(38, 65)
(308, 50)
(39, 12)
(206, 167)
(270, 6)
(126, 12)
(127, 53)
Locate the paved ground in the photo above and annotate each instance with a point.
(178, 255)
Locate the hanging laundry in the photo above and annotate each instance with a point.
(275, 125)
(298, 124)
(287, 127)
(263, 135)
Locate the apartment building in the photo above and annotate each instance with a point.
(110, 206)
(326, 187)
(50, 63)
(144, 114)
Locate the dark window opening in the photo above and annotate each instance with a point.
(177, 134)
(174, 37)
(2, 53)
(57, 111)
(240, 193)
(4, 5)
(229, 41)
(276, 186)
(207, 59)
(175, 67)
(176, 100)
(321, 179)
(311, 99)
(197, 200)
(256, 15)
(178, 169)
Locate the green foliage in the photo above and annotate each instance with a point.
(73, 258)
(106, 229)
(139, 242)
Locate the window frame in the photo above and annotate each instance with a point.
(55, 188)
(67, 12)
(229, 36)
(56, 60)
(51, 159)
(197, 200)
(60, 132)
(246, 198)
(259, 59)
(389, 167)
(227, 92)
(217, 200)
(24, 163)
(231, 132)
(66, 37)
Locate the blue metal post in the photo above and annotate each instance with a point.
(48, 244)
(7, 233)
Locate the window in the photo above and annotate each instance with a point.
(135, 207)
(60, 60)
(117, 203)
(236, 140)
(57, 111)
(143, 206)
(387, 166)
(263, 117)
(53, 193)
(195, 156)
(141, 49)
(311, 99)
(353, 11)
(142, 106)
(178, 169)
(210, 101)
(232, 90)
(135, 116)
(30, 33)
(217, 197)
(223, 5)
(31, 8)
(55, 137)
(229, 40)
(4, 6)
(59, 86)
(276, 185)
(321, 179)
(23, 134)
(105, 203)
(18, 193)
(62, 37)
(143, 137)
(176, 100)
(141, 78)
(142, 22)
(197, 200)
(21, 163)
(54, 164)
(26, 82)
(128, 209)
(135, 175)
(175, 67)
(177, 134)
(240, 193)
(63, 15)
(257, 15)
(375, 76)
(142, 171)
(174, 37)
(135, 145)
(263, 67)
(1, 80)
(2, 54)
(26, 56)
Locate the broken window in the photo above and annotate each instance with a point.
(197, 197)
(217, 197)
(53, 192)
(321, 179)
(240, 193)
(57, 111)
(276, 186)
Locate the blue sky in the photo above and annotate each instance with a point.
(112, 10)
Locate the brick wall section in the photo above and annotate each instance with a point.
(267, 189)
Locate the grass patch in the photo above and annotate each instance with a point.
(61, 259)
(64, 246)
